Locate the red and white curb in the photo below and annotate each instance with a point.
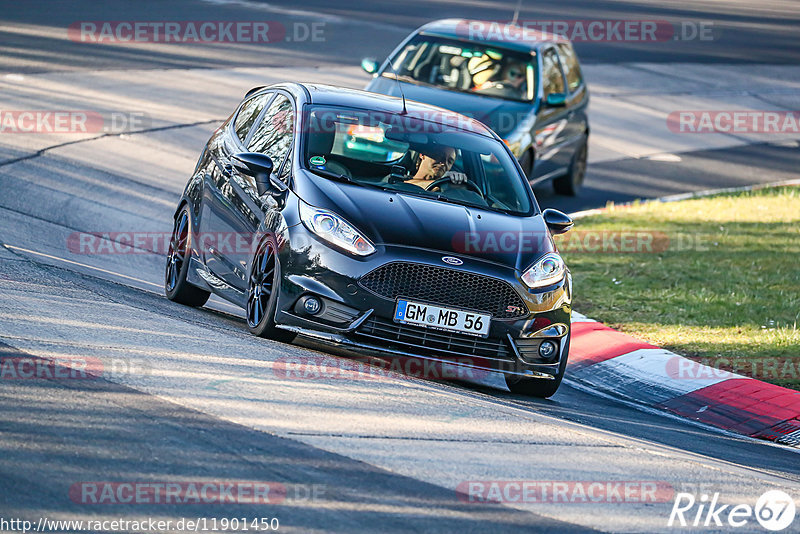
(611, 361)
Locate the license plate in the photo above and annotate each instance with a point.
(430, 316)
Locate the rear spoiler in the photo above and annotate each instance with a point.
(254, 90)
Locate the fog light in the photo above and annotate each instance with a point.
(548, 350)
(312, 305)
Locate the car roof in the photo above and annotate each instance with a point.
(333, 95)
(492, 32)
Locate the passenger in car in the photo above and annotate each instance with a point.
(509, 84)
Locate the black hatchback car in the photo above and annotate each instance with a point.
(363, 220)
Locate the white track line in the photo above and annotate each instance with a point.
(42, 254)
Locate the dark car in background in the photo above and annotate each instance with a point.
(333, 240)
(525, 85)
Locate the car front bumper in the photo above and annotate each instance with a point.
(359, 318)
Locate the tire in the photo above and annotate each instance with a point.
(262, 294)
(570, 184)
(176, 287)
(538, 387)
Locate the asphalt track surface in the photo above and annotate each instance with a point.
(389, 453)
(743, 32)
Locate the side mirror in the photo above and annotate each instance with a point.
(259, 167)
(556, 100)
(557, 221)
(370, 65)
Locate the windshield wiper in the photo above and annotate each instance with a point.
(449, 200)
(408, 79)
(332, 175)
(346, 179)
(468, 204)
(423, 194)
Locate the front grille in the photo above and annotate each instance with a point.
(447, 345)
(447, 287)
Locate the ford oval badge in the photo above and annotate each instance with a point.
(452, 261)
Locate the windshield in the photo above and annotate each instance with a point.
(413, 155)
(466, 67)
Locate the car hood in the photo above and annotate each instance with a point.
(502, 116)
(389, 218)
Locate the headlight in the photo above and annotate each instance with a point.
(335, 230)
(547, 271)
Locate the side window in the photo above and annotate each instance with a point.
(274, 134)
(286, 168)
(571, 68)
(552, 77)
(249, 113)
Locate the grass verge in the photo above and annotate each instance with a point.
(715, 279)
